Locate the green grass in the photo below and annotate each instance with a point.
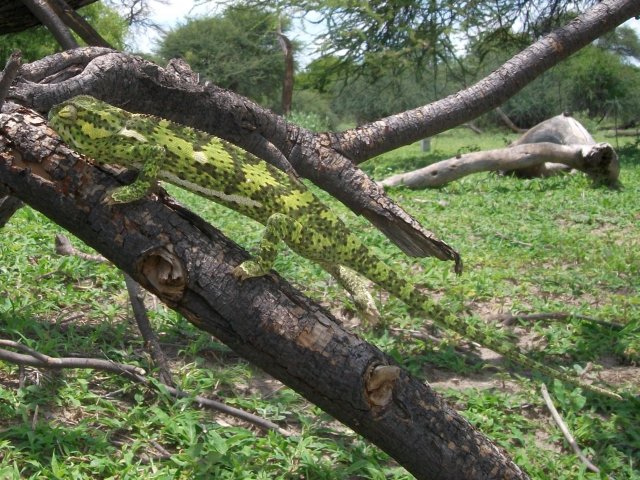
(528, 245)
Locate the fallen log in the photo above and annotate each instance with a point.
(558, 144)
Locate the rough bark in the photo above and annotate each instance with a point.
(16, 17)
(188, 265)
(557, 144)
(150, 89)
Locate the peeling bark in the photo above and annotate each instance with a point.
(188, 264)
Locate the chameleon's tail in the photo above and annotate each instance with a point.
(489, 336)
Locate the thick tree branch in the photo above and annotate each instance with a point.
(78, 24)
(384, 135)
(45, 13)
(599, 161)
(151, 89)
(189, 266)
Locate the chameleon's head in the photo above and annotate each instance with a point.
(84, 118)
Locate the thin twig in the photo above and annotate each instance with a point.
(513, 240)
(508, 319)
(565, 430)
(40, 360)
(64, 248)
(9, 74)
(151, 341)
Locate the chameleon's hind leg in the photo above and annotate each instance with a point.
(278, 227)
(357, 288)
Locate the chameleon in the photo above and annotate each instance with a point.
(160, 149)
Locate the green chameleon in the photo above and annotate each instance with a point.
(224, 173)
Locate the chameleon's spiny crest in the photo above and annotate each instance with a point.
(228, 175)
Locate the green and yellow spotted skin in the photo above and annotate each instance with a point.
(224, 173)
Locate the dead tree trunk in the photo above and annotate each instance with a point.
(188, 265)
(558, 144)
(287, 78)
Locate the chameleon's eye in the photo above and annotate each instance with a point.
(68, 112)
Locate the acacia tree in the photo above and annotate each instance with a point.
(238, 50)
(188, 264)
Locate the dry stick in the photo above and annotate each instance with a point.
(152, 343)
(37, 359)
(565, 430)
(43, 12)
(221, 407)
(34, 358)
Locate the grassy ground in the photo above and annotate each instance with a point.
(555, 245)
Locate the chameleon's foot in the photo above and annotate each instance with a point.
(248, 269)
(126, 194)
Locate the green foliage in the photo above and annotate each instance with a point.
(597, 78)
(622, 41)
(313, 110)
(108, 23)
(529, 246)
(37, 42)
(237, 50)
(34, 44)
(309, 120)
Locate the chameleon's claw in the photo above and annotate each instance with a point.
(125, 194)
(248, 269)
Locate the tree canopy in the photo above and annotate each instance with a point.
(237, 49)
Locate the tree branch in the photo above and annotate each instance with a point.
(33, 358)
(153, 90)
(189, 267)
(565, 430)
(78, 24)
(45, 13)
(387, 134)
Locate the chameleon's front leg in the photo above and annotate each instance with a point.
(153, 158)
(278, 227)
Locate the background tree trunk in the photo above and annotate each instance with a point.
(188, 265)
(287, 80)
